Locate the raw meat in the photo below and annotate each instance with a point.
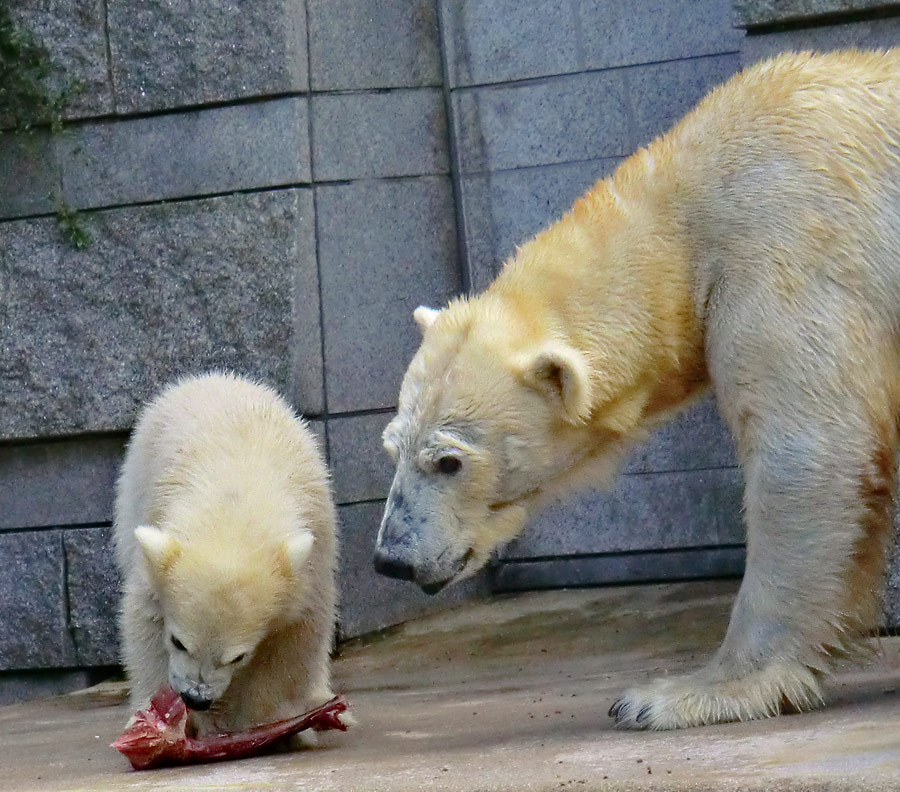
(158, 738)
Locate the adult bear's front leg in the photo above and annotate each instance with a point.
(818, 511)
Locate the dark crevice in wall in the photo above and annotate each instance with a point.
(109, 63)
(563, 76)
(225, 194)
(362, 502)
(312, 170)
(198, 107)
(462, 246)
(667, 471)
(360, 413)
(63, 438)
(825, 20)
(66, 600)
(68, 527)
(575, 11)
(620, 553)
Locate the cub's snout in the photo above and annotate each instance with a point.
(196, 701)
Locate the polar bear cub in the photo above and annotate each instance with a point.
(225, 536)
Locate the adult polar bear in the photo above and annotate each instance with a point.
(754, 248)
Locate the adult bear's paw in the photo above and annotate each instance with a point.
(695, 700)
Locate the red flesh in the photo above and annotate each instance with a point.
(158, 738)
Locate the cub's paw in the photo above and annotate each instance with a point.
(303, 740)
(694, 701)
(348, 719)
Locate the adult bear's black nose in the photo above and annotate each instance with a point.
(392, 567)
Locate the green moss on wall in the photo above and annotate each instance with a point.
(27, 99)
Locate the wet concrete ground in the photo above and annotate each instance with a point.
(508, 694)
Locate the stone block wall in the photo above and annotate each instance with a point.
(273, 187)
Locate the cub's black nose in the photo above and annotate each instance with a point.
(196, 702)
(392, 568)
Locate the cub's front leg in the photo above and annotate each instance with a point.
(143, 650)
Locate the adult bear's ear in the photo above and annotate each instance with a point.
(560, 373)
(425, 317)
(161, 549)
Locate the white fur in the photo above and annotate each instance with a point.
(225, 535)
(755, 249)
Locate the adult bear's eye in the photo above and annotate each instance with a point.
(448, 465)
(178, 645)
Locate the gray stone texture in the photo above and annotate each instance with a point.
(891, 591)
(750, 13)
(594, 119)
(24, 685)
(649, 511)
(871, 34)
(86, 336)
(360, 467)
(695, 440)
(317, 427)
(561, 119)
(661, 94)
(373, 44)
(59, 483)
(648, 31)
(394, 133)
(263, 144)
(372, 602)
(74, 36)
(384, 248)
(505, 208)
(93, 595)
(30, 177)
(491, 41)
(709, 562)
(33, 631)
(173, 53)
(485, 40)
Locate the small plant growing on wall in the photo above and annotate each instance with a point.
(28, 102)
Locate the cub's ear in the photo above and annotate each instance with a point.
(425, 317)
(160, 548)
(297, 550)
(562, 375)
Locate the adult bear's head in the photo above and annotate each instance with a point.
(497, 410)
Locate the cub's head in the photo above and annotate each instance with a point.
(218, 605)
(492, 410)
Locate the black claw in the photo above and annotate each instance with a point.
(643, 713)
(614, 709)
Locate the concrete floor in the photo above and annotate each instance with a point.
(508, 694)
